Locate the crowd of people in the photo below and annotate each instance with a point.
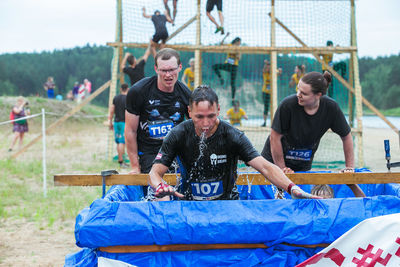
(77, 93)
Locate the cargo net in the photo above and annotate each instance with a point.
(314, 22)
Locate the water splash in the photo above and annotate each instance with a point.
(150, 191)
(202, 145)
(278, 194)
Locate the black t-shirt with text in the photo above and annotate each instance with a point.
(302, 132)
(119, 103)
(211, 173)
(137, 73)
(158, 111)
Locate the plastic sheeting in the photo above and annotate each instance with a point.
(117, 220)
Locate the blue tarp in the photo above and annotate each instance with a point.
(119, 219)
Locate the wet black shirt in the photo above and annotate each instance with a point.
(210, 173)
(158, 111)
(302, 132)
(159, 22)
(119, 104)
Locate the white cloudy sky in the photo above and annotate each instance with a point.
(27, 25)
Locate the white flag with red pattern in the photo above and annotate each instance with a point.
(372, 242)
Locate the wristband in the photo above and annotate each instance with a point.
(161, 186)
(289, 188)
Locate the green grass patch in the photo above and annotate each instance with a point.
(21, 192)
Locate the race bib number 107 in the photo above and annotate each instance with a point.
(207, 191)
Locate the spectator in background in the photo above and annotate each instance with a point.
(161, 33)
(81, 93)
(236, 114)
(70, 96)
(75, 90)
(88, 87)
(327, 58)
(20, 127)
(299, 72)
(135, 68)
(188, 75)
(266, 89)
(118, 108)
(49, 87)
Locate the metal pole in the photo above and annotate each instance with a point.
(44, 153)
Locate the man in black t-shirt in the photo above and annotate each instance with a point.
(118, 108)
(209, 150)
(135, 70)
(153, 107)
(299, 123)
(161, 33)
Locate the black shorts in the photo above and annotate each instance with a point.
(211, 3)
(160, 36)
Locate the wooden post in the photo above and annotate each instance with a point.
(197, 52)
(115, 67)
(64, 118)
(351, 82)
(274, 80)
(120, 38)
(246, 49)
(357, 86)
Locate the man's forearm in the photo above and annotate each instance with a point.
(271, 172)
(155, 176)
(131, 148)
(277, 153)
(348, 150)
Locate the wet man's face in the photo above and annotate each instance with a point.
(205, 117)
(167, 71)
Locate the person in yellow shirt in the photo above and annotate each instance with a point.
(236, 114)
(327, 58)
(299, 71)
(188, 75)
(266, 89)
(231, 65)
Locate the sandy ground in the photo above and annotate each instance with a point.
(24, 243)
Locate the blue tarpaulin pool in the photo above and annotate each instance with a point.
(120, 219)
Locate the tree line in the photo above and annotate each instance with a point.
(25, 73)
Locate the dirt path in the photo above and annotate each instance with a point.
(24, 243)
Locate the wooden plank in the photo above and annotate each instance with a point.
(181, 28)
(188, 247)
(246, 49)
(243, 179)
